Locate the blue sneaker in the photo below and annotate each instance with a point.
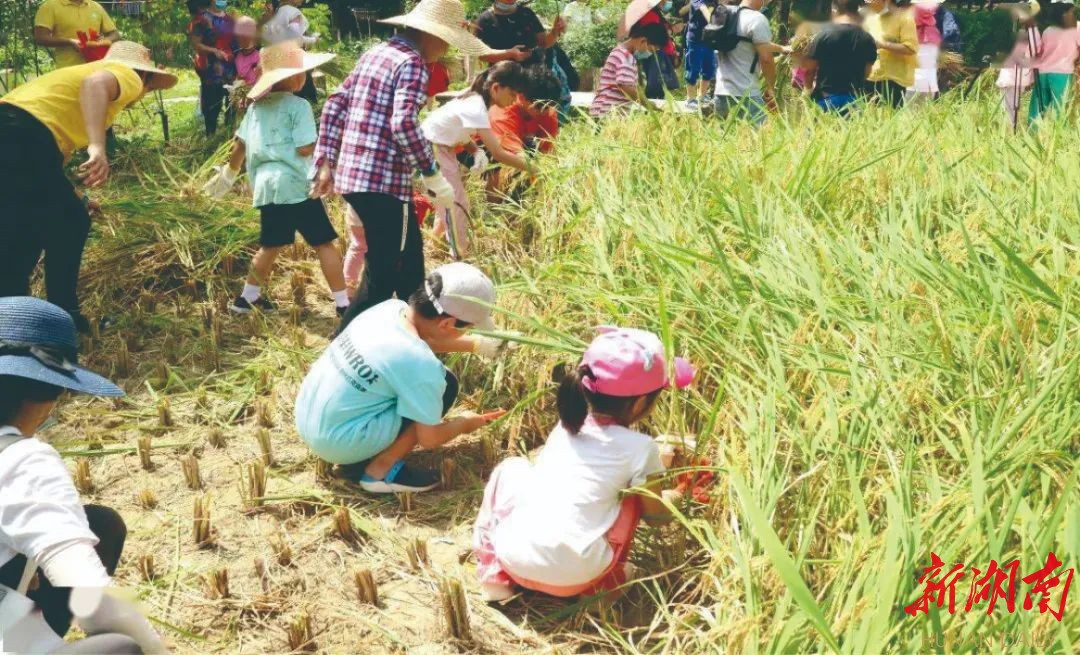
(400, 478)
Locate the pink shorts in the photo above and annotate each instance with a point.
(496, 507)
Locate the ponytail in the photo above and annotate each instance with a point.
(571, 401)
(504, 73)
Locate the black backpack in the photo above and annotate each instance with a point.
(721, 33)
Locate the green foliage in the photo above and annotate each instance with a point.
(986, 34)
(588, 46)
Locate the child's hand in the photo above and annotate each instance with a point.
(473, 421)
(323, 183)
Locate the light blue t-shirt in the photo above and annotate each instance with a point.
(374, 374)
(272, 129)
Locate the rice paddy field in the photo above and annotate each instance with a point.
(886, 319)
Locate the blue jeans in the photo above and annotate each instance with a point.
(700, 63)
(751, 108)
(839, 103)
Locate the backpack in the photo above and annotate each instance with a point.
(721, 33)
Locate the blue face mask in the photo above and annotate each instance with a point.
(668, 5)
(642, 54)
(221, 4)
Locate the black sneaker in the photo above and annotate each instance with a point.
(399, 479)
(242, 306)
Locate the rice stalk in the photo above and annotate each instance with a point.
(366, 589)
(263, 413)
(143, 444)
(324, 470)
(201, 528)
(147, 569)
(217, 584)
(405, 500)
(448, 472)
(216, 437)
(254, 491)
(300, 635)
(261, 574)
(147, 499)
(189, 464)
(342, 525)
(164, 412)
(455, 609)
(417, 552)
(283, 552)
(262, 436)
(83, 482)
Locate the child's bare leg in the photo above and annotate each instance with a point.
(262, 265)
(332, 266)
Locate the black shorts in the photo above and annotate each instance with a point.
(280, 223)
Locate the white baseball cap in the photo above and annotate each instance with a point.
(466, 294)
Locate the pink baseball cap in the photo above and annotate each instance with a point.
(628, 362)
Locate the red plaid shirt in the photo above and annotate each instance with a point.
(370, 126)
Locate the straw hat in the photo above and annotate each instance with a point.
(281, 61)
(444, 19)
(137, 57)
(635, 11)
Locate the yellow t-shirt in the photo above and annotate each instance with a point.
(894, 26)
(66, 19)
(53, 99)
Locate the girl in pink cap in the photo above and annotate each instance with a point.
(563, 525)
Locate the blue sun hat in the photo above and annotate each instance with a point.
(38, 342)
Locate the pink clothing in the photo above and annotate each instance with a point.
(354, 257)
(619, 70)
(247, 65)
(926, 23)
(1019, 63)
(1059, 52)
(498, 504)
(459, 214)
(798, 77)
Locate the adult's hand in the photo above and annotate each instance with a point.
(323, 184)
(96, 169)
(559, 26)
(519, 53)
(222, 55)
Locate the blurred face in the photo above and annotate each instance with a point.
(503, 96)
(641, 44)
(432, 48)
(1069, 19)
(245, 42)
(291, 84)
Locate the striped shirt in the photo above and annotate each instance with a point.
(370, 129)
(620, 69)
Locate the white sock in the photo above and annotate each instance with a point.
(250, 292)
(341, 298)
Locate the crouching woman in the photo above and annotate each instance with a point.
(44, 528)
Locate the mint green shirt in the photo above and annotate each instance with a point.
(272, 129)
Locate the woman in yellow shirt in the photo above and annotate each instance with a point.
(42, 123)
(892, 25)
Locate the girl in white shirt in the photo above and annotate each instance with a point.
(564, 524)
(43, 525)
(455, 125)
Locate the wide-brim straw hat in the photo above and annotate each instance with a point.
(137, 57)
(444, 19)
(38, 342)
(281, 61)
(635, 11)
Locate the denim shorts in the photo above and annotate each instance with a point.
(700, 63)
(751, 108)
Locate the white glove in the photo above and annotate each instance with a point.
(98, 612)
(220, 185)
(439, 190)
(480, 161)
(493, 348)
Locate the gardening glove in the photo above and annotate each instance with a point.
(492, 348)
(439, 190)
(220, 185)
(99, 612)
(480, 161)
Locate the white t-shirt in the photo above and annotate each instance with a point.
(457, 122)
(563, 510)
(39, 506)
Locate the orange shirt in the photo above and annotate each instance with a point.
(513, 126)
